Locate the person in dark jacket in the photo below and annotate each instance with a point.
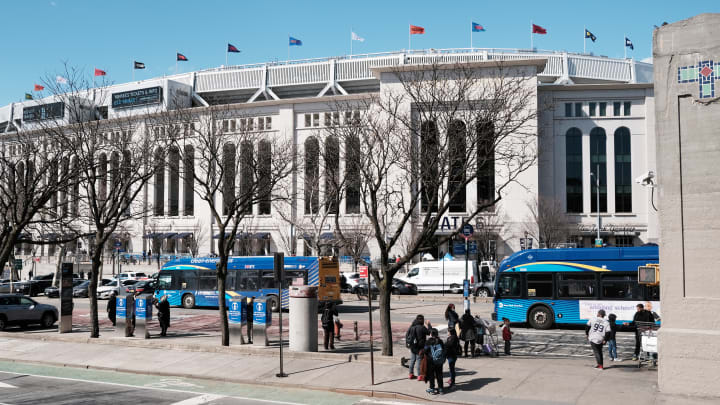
(435, 356)
(417, 334)
(451, 316)
(453, 350)
(328, 325)
(163, 308)
(112, 307)
(611, 342)
(468, 332)
(641, 315)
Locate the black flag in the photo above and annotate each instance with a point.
(139, 65)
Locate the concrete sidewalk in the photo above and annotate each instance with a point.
(502, 380)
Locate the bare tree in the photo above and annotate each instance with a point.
(199, 235)
(487, 230)
(432, 131)
(547, 222)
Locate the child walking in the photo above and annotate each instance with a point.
(507, 335)
(612, 343)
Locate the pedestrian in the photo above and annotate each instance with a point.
(338, 326)
(144, 255)
(598, 332)
(435, 355)
(641, 315)
(452, 347)
(327, 324)
(163, 308)
(612, 343)
(249, 317)
(507, 335)
(415, 341)
(451, 316)
(149, 255)
(468, 332)
(82, 274)
(112, 307)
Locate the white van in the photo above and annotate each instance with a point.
(428, 276)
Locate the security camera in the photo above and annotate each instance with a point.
(646, 179)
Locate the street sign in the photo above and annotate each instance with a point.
(363, 270)
(473, 247)
(467, 231)
(117, 244)
(598, 242)
(18, 264)
(458, 248)
(466, 288)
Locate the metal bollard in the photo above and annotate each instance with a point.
(355, 328)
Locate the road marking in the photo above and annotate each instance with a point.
(5, 385)
(202, 399)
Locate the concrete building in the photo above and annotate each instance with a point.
(687, 57)
(592, 111)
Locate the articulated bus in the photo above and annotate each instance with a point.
(193, 282)
(544, 287)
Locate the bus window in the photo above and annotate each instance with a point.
(186, 280)
(539, 285)
(576, 285)
(620, 287)
(509, 285)
(652, 293)
(165, 281)
(291, 275)
(207, 281)
(248, 280)
(268, 279)
(230, 280)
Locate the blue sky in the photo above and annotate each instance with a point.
(38, 36)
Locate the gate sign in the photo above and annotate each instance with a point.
(117, 244)
(120, 307)
(363, 271)
(473, 247)
(260, 313)
(140, 308)
(467, 231)
(236, 312)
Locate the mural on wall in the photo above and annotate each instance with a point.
(704, 73)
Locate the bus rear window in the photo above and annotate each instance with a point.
(620, 287)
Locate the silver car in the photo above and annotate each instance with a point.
(19, 310)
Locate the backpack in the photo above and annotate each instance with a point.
(437, 353)
(410, 339)
(326, 317)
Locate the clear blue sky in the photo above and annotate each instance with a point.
(37, 36)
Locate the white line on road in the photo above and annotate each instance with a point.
(5, 385)
(202, 399)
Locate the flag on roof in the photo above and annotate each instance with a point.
(590, 35)
(232, 48)
(477, 27)
(629, 43)
(99, 72)
(28, 96)
(295, 41)
(60, 80)
(414, 29)
(39, 87)
(138, 65)
(356, 37)
(181, 57)
(536, 29)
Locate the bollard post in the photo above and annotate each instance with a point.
(355, 328)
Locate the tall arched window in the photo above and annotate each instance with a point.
(115, 173)
(228, 178)
(159, 203)
(312, 175)
(486, 164)
(75, 186)
(189, 180)
(247, 181)
(332, 174)
(126, 173)
(20, 185)
(573, 171)
(52, 184)
(65, 195)
(102, 176)
(623, 171)
(264, 173)
(352, 173)
(429, 172)
(598, 166)
(458, 161)
(174, 180)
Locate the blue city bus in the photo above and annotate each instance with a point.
(192, 282)
(544, 287)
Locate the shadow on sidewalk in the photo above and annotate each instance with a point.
(475, 384)
(318, 368)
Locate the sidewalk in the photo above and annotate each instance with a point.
(503, 380)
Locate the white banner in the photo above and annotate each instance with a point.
(624, 310)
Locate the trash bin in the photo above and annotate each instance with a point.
(303, 318)
(262, 319)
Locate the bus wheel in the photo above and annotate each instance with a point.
(273, 301)
(188, 301)
(540, 317)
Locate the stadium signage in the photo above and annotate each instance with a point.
(44, 112)
(134, 98)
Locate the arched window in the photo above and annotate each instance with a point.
(189, 180)
(247, 180)
(352, 173)
(486, 164)
(102, 176)
(65, 195)
(20, 185)
(458, 161)
(159, 183)
(573, 171)
(312, 175)
(174, 180)
(126, 173)
(228, 178)
(623, 171)
(264, 173)
(429, 173)
(332, 174)
(75, 186)
(115, 174)
(598, 166)
(52, 184)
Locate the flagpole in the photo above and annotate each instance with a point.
(351, 40)
(176, 61)
(531, 35)
(625, 43)
(471, 31)
(584, 38)
(288, 47)
(133, 70)
(226, 55)
(409, 36)
(94, 76)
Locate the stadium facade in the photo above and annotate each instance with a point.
(595, 114)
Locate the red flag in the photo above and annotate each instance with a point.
(414, 29)
(39, 87)
(536, 29)
(181, 57)
(99, 72)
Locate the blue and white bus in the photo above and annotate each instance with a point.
(544, 287)
(192, 282)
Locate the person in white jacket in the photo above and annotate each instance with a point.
(598, 332)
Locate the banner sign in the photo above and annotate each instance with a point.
(44, 112)
(133, 98)
(624, 310)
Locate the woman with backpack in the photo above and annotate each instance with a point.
(452, 347)
(468, 333)
(435, 355)
(328, 325)
(415, 341)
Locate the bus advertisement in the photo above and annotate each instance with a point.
(192, 282)
(544, 287)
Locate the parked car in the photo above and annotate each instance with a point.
(362, 290)
(103, 292)
(19, 310)
(127, 286)
(54, 292)
(401, 287)
(131, 275)
(82, 290)
(143, 287)
(352, 280)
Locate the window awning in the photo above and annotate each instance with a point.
(168, 235)
(327, 235)
(151, 235)
(182, 235)
(261, 235)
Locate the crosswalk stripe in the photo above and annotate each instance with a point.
(202, 399)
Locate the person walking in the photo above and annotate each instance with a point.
(435, 355)
(328, 326)
(112, 307)
(598, 332)
(163, 308)
(641, 315)
(453, 350)
(468, 332)
(338, 326)
(451, 316)
(612, 343)
(415, 341)
(507, 335)
(150, 256)
(249, 317)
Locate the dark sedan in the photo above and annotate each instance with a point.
(54, 292)
(401, 287)
(142, 287)
(82, 290)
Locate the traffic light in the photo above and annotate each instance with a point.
(649, 274)
(522, 243)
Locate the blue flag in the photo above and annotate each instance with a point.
(477, 27)
(629, 43)
(295, 41)
(590, 35)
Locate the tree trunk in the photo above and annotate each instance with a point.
(58, 265)
(92, 291)
(385, 325)
(222, 307)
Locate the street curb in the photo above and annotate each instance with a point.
(345, 391)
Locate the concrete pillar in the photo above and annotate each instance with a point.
(303, 319)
